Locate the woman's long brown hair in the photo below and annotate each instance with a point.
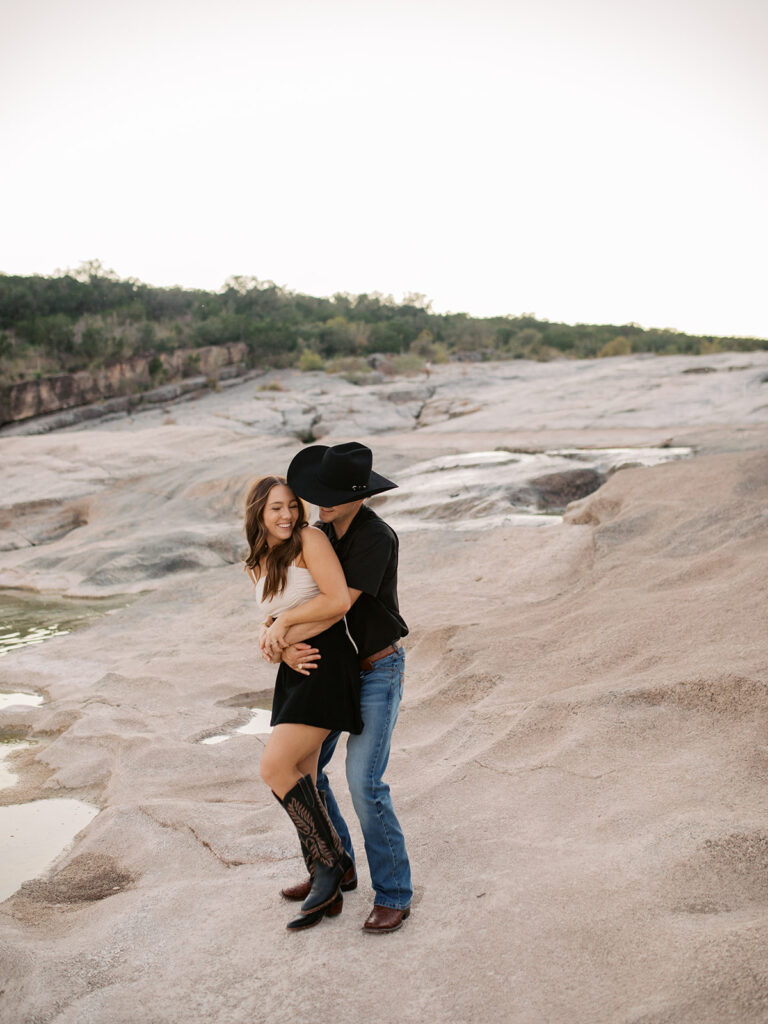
(274, 560)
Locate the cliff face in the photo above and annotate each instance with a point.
(67, 390)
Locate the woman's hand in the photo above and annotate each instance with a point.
(263, 647)
(274, 640)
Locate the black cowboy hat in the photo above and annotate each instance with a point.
(336, 475)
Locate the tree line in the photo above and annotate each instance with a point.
(88, 318)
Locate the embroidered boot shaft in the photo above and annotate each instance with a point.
(301, 891)
(308, 814)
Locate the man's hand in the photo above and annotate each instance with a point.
(301, 658)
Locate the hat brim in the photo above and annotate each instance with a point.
(303, 479)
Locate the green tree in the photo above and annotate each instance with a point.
(147, 335)
(309, 361)
(425, 347)
(92, 342)
(618, 346)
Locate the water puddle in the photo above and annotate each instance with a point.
(33, 835)
(9, 778)
(27, 618)
(479, 490)
(13, 700)
(257, 725)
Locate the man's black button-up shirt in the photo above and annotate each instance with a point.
(368, 553)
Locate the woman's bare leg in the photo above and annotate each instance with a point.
(309, 765)
(289, 767)
(289, 754)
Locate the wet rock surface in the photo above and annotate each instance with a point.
(84, 879)
(476, 489)
(556, 490)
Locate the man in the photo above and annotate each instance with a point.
(337, 479)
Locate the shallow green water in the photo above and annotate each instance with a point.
(27, 619)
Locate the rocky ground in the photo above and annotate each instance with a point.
(580, 762)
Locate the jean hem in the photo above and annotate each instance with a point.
(390, 906)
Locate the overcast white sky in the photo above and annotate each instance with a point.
(584, 160)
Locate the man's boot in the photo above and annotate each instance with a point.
(300, 891)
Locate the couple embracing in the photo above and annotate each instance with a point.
(336, 586)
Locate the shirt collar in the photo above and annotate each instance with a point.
(364, 514)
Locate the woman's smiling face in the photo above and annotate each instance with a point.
(281, 513)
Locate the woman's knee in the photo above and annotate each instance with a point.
(270, 768)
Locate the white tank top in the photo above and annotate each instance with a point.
(300, 586)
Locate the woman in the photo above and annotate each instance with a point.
(299, 579)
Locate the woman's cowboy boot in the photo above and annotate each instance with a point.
(300, 890)
(310, 920)
(307, 812)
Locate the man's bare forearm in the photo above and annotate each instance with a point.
(305, 630)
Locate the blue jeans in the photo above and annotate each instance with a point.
(367, 756)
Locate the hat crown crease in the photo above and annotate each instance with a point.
(338, 469)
